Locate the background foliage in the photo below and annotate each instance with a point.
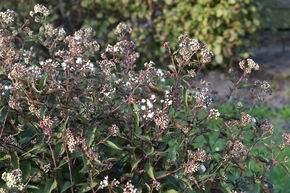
(226, 26)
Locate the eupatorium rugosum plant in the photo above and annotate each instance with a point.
(79, 118)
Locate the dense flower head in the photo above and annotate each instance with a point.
(7, 17)
(238, 149)
(206, 56)
(104, 183)
(114, 129)
(214, 114)
(286, 139)
(203, 98)
(189, 47)
(245, 119)
(129, 188)
(267, 127)
(81, 43)
(72, 141)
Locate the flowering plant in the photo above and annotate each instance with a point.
(77, 119)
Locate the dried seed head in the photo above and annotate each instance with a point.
(248, 65)
(114, 129)
(41, 9)
(246, 118)
(122, 29)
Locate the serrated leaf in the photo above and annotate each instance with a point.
(26, 169)
(171, 191)
(148, 187)
(32, 187)
(91, 137)
(50, 186)
(4, 157)
(14, 160)
(59, 149)
(150, 171)
(66, 186)
(185, 97)
(136, 110)
(112, 145)
(87, 187)
(149, 152)
(135, 163)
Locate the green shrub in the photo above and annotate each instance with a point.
(76, 119)
(225, 26)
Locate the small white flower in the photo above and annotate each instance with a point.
(104, 183)
(202, 168)
(149, 104)
(150, 115)
(79, 60)
(159, 72)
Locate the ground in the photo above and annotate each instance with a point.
(274, 61)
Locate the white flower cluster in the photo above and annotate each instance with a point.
(202, 98)
(129, 188)
(107, 66)
(214, 114)
(72, 141)
(108, 91)
(13, 179)
(20, 71)
(188, 46)
(147, 107)
(167, 101)
(266, 127)
(195, 161)
(49, 64)
(206, 56)
(105, 183)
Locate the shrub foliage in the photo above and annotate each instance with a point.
(79, 118)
